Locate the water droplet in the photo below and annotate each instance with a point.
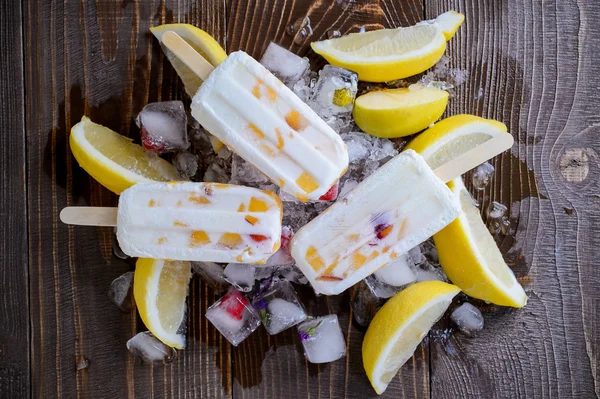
(332, 34)
(297, 26)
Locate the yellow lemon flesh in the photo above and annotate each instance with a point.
(390, 54)
(113, 160)
(399, 112)
(160, 288)
(471, 259)
(201, 41)
(453, 136)
(204, 44)
(400, 325)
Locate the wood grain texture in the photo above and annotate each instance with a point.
(274, 366)
(531, 61)
(531, 66)
(98, 58)
(14, 306)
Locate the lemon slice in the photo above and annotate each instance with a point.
(471, 259)
(201, 41)
(454, 136)
(389, 54)
(113, 160)
(400, 325)
(399, 112)
(160, 288)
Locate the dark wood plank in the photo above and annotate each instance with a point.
(274, 366)
(533, 64)
(14, 303)
(99, 59)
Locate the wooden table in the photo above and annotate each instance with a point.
(532, 65)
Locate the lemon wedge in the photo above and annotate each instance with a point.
(160, 288)
(201, 41)
(399, 112)
(454, 136)
(390, 54)
(400, 325)
(471, 259)
(113, 160)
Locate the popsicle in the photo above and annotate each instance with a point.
(396, 208)
(191, 221)
(257, 116)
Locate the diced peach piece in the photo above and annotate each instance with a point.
(295, 120)
(199, 237)
(307, 183)
(177, 223)
(313, 259)
(257, 205)
(151, 203)
(256, 130)
(354, 237)
(256, 91)
(162, 240)
(358, 260)
(231, 240)
(199, 199)
(242, 207)
(271, 94)
(280, 142)
(251, 219)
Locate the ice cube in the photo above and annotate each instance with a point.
(286, 272)
(348, 186)
(358, 146)
(244, 173)
(233, 316)
(283, 256)
(285, 65)
(297, 214)
(481, 175)
(210, 272)
(390, 279)
(416, 255)
(364, 304)
(216, 174)
(278, 306)
(468, 318)
(334, 92)
(150, 349)
(429, 251)
(322, 339)
(427, 272)
(163, 126)
(240, 275)
(300, 30)
(121, 292)
(497, 210)
(186, 165)
(304, 87)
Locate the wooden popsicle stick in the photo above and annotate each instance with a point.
(186, 53)
(89, 216)
(474, 157)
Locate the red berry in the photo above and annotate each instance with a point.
(383, 230)
(332, 193)
(150, 144)
(234, 304)
(286, 236)
(258, 237)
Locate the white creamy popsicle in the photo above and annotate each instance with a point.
(199, 222)
(263, 121)
(399, 206)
